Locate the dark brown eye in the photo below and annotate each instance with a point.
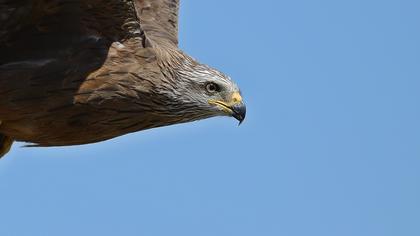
(212, 87)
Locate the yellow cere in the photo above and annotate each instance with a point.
(236, 97)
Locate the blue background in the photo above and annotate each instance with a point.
(331, 144)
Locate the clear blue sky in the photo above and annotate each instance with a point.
(331, 144)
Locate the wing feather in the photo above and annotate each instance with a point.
(159, 20)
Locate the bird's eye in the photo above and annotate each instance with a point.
(212, 87)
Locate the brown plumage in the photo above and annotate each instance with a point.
(76, 72)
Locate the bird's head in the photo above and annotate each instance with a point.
(206, 92)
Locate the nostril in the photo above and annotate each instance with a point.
(236, 97)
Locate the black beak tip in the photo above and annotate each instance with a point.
(239, 112)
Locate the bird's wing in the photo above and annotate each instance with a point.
(159, 19)
(40, 26)
(51, 46)
(50, 28)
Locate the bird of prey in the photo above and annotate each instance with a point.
(82, 71)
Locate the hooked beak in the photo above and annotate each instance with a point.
(239, 112)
